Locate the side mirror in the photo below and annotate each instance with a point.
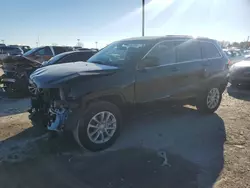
(149, 62)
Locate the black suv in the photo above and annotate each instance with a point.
(89, 98)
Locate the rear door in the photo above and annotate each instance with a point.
(212, 62)
(190, 70)
(157, 82)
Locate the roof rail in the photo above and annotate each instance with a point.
(187, 36)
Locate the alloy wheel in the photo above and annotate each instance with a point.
(101, 127)
(213, 98)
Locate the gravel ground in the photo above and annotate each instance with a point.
(167, 147)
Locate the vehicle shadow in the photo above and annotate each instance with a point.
(187, 138)
(13, 106)
(161, 147)
(240, 92)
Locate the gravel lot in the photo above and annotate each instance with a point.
(162, 147)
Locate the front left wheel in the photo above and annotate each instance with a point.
(99, 126)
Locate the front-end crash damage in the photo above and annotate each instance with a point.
(52, 104)
(51, 110)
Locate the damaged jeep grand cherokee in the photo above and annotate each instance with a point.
(88, 97)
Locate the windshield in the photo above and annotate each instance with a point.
(120, 52)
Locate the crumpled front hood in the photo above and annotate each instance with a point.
(54, 75)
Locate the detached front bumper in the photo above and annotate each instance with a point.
(59, 115)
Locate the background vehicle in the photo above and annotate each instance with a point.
(235, 55)
(17, 70)
(240, 73)
(42, 54)
(6, 51)
(71, 56)
(23, 48)
(89, 98)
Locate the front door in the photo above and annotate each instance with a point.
(156, 81)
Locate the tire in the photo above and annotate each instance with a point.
(203, 105)
(84, 130)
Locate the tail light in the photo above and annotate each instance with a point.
(228, 64)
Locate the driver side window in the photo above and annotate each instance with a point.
(164, 52)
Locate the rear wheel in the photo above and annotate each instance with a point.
(209, 101)
(99, 126)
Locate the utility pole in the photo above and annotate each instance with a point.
(143, 15)
(2, 41)
(38, 40)
(78, 42)
(96, 43)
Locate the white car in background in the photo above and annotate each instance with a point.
(234, 55)
(6, 51)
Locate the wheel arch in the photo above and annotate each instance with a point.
(114, 98)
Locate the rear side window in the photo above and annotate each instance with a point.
(66, 59)
(188, 50)
(164, 51)
(209, 50)
(85, 56)
(59, 50)
(77, 57)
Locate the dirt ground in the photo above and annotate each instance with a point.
(162, 147)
